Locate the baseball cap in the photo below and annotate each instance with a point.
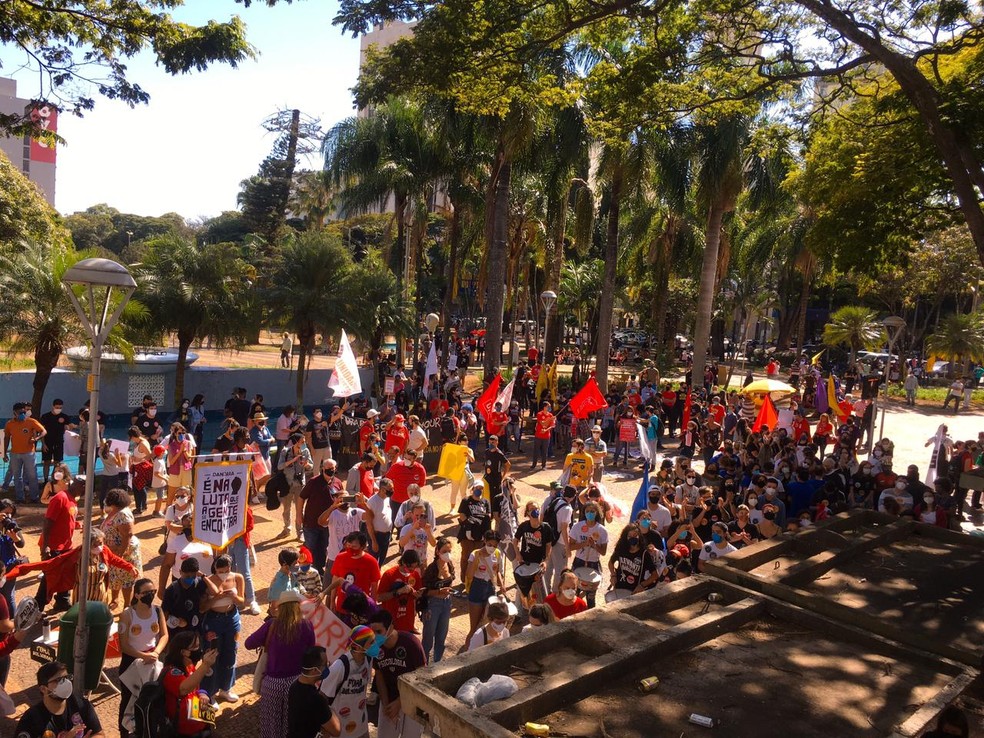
(372, 414)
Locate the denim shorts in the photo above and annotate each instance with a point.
(480, 591)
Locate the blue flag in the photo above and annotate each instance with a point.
(642, 498)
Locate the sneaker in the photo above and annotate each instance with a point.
(287, 531)
(215, 705)
(254, 608)
(230, 696)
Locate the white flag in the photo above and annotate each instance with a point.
(505, 397)
(345, 380)
(431, 368)
(645, 450)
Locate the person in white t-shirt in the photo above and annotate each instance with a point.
(589, 542)
(417, 534)
(418, 437)
(341, 519)
(557, 510)
(718, 545)
(181, 547)
(660, 513)
(379, 520)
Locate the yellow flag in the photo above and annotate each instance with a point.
(542, 382)
(553, 383)
(453, 459)
(832, 398)
(816, 359)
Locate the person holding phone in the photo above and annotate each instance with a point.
(182, 680)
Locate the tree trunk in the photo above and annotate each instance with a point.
(397, 257)
(184, 344)
(607, 300)
(803, 302)
(552, 324)
(958, 157)
(705, 298)
(496, 271)
(45, 360)
(454, 240)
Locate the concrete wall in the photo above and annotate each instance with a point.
(121, 391)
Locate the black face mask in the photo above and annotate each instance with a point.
(654, 498)
(769, 515)
(147, 599)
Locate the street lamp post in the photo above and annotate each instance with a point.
(895, 326)
(548, 298)
(97, 279)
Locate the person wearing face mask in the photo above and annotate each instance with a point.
(474, 521)
(186, 703)
(379, 518)
(295, 462)
(862, 490)
(534, 541)
(309, 709)
(772, 498)
(629, 570)
(180, 457)
(143, 637)
(347, 680)
(53, 444)
(222, 625)
(317, 438)
(182, 598)
(417, 534)
(486, 574)
(20, 438)
(148, 424)
(397, 434)
(341, 518)
(495, 630)
(436, 599)
(589, 542)
(353, 566)
(260, 435)
(315, 498)
(396, 653)
(717, 547)
(688, 492)
(399, 588)
(768, 526)
(286, 637)
(900, 494)
(59, 712)
(406, 472)
(118, 529)
(565, 602)
(405, 514)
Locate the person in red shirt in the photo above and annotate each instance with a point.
(403, 473)
(355, 566)
(366, 430)
(565, 602)
(716, 410)
(57, 529)
(801, 427)
(497, 423)
(437, 407)
(399, 587)
(182, 682)
(545, 422)
(669, 399)
(397, 434)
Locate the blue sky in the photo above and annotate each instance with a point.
(200, 135)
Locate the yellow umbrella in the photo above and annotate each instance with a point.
(768, 385)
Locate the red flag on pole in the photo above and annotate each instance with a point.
(486, 401)
(587, 400)
(686, 413)
(767, 417)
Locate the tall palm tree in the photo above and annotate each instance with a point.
(313, 198)
(853, 326)
(959, 337)
(195, 292)
(719, 148)
(37, 313)
(307, 289)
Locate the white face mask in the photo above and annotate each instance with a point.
(223, 575)
(446, 556)
(569, 594)
(62, 690)
(181, 501)
(151, 413)
(490, 550)
(57, 476)
(497, 627)
(99, 550)
(900, 485)
(928, 499)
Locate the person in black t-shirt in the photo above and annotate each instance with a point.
(149, 425)
(535, 538)
(309, 712)
(53, 443)
(181, 599)
(60, 712)
(496, 468)
(239, 406)
(474, 519)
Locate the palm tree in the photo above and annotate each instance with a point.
(853, 326)
(307, 292)
(313, 198)
(195, 292)
(36, 311)
(959, 337)
(580, 285)
(377, 308)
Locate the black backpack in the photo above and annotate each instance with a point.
(345, 675)
(449, 429)
(550, 516)
(149, 714)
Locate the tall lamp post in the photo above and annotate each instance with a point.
(548, 298)
(895, 325)
(96, 278)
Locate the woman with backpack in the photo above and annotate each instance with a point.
(285, 637)
(143, 636)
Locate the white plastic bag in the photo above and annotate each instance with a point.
(475, 693)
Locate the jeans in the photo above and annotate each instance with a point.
(240, 563)
(436, 627)
(956, 401)
(316, 541)
(555, 565)
(7, 592)
(23, 468)
(382, 545)
(515, 432)
(910, 397)
(540, 450)
(619, 448)
(221, 632)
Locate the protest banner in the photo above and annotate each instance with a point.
(221, 495)
(329, 630)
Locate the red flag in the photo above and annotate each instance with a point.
(587, 400)
(486, 400)
(767, 416)
(686, 413)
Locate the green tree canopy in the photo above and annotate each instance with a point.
(853, 326)
(24, 213)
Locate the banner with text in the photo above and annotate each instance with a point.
(349, 453)
(221, 495)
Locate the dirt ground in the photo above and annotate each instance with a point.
(767, 679)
